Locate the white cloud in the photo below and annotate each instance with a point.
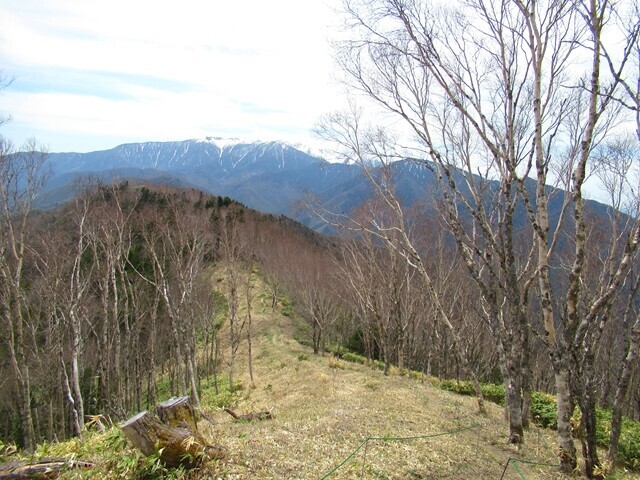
(165, 70)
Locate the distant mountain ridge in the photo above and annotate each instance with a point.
(212, 153)
(272, 177)
(268, 176)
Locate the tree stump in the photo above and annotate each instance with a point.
(176, 445)
(178, 412)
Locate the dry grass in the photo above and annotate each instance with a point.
(324, 409)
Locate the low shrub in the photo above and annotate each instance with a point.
(493, 392)
(629, 443)
(354, 358)
(543, 409)
(459, 387)
(629, 446)
(434, 381)
(286, 306)
(6, 450)
(335, 349)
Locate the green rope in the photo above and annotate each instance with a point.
(398, 439)
(515, 461)
(418, 437)
(515, 465)
(346, 459)
(529, 462)
(544, 440)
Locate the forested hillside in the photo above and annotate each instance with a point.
(113, 290)
(124, 293)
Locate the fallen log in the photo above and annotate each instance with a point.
(265, 415)
(44, 468)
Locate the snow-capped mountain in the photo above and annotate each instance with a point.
(211, 153)
(273, 177)
(268, 176)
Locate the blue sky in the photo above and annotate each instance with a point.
(90, 75)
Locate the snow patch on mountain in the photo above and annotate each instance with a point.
(223, 143)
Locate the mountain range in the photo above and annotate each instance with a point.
(272, 177)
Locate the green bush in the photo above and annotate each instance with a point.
(459, 387)
(629, 443)
(493, 392)
(629, 446)
(434, 381)
(354, 358)
(221, 308)
(6, 450)
(543, 409)
(603, 426)
(335, 349)
(286, 306)
(490, 391)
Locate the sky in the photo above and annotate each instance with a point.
(92, 74)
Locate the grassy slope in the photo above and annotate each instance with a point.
(324, 409)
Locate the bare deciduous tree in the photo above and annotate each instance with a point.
(21, 177)
(374, 147)
(177, 243)
(494, 93)
(232, 256)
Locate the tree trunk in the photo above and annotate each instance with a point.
(235, 330)
(26, 420)
(315, 335)
(588, 438)
(513, 395)
(621, 390)
(191, 372)
(588, 420)
(477, 389)
(75, 421)
(514, 406)
(250, 352)
(76, 343)
(232, 372)
(178, 350)
(567, 450)
(216, 355)
(526, 376)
